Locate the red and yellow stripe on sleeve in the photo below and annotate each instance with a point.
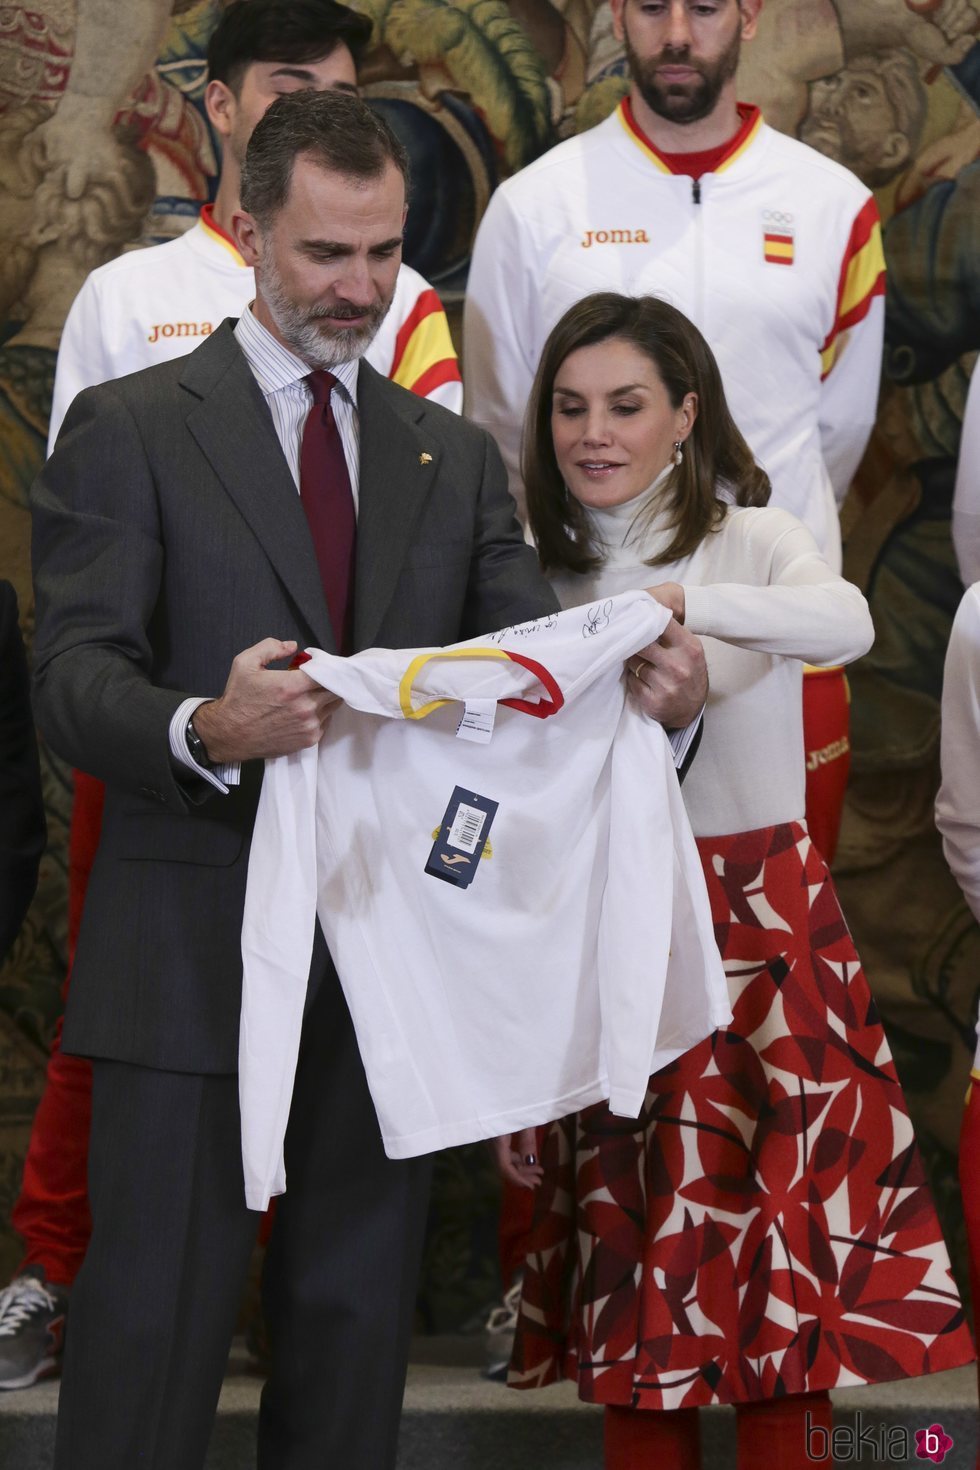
(424, 354)
(862, 278)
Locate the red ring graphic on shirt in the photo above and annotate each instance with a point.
(542, 709)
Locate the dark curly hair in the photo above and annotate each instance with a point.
(293, 31)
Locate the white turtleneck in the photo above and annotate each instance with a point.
(761, 596)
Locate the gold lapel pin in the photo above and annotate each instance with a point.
(425, 458)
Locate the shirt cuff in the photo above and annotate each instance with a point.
(220, 777)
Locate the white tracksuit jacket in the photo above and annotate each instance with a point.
(776, 256)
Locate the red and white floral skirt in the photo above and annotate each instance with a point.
(765, 1227)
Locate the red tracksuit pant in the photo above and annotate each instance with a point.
(52, 1213)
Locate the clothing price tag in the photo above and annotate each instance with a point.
(463, 834)
(477, 721)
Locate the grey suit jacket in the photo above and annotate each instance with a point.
(168, 536)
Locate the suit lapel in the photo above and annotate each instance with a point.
(233, 427)
(398, 467)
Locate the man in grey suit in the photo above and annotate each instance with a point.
(170, 545)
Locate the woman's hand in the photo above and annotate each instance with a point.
(669, 594)
(669, 679)
(516, 1156)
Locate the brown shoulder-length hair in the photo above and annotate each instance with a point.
(715, 454)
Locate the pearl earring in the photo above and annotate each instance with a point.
(678, 453)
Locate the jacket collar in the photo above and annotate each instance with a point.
(233, 427)
(398, 466)
(737, 148)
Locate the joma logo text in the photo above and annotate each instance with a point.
(614, 237)
(179, 329)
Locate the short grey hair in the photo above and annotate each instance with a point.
(334, 128)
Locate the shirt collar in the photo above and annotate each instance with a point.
(217, 235)
(618, 526)
(275, 367)
(750, 123)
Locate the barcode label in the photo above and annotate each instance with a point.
(461, 837)
(467, 826)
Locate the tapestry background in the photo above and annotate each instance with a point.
(104, 146)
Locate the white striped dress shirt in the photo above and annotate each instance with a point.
(281, 376)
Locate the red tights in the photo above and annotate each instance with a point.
(772, 1435)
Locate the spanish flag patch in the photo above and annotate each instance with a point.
(777, 248)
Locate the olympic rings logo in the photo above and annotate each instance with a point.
(777, 217)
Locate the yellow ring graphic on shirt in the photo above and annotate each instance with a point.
(411, 673)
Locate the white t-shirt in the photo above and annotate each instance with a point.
(580, 959)
(150, 306)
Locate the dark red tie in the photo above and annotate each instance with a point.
(324, 489)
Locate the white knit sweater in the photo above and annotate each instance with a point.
(765, 602)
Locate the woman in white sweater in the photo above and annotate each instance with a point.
(763, 1233)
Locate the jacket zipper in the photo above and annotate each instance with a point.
(699, 283)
